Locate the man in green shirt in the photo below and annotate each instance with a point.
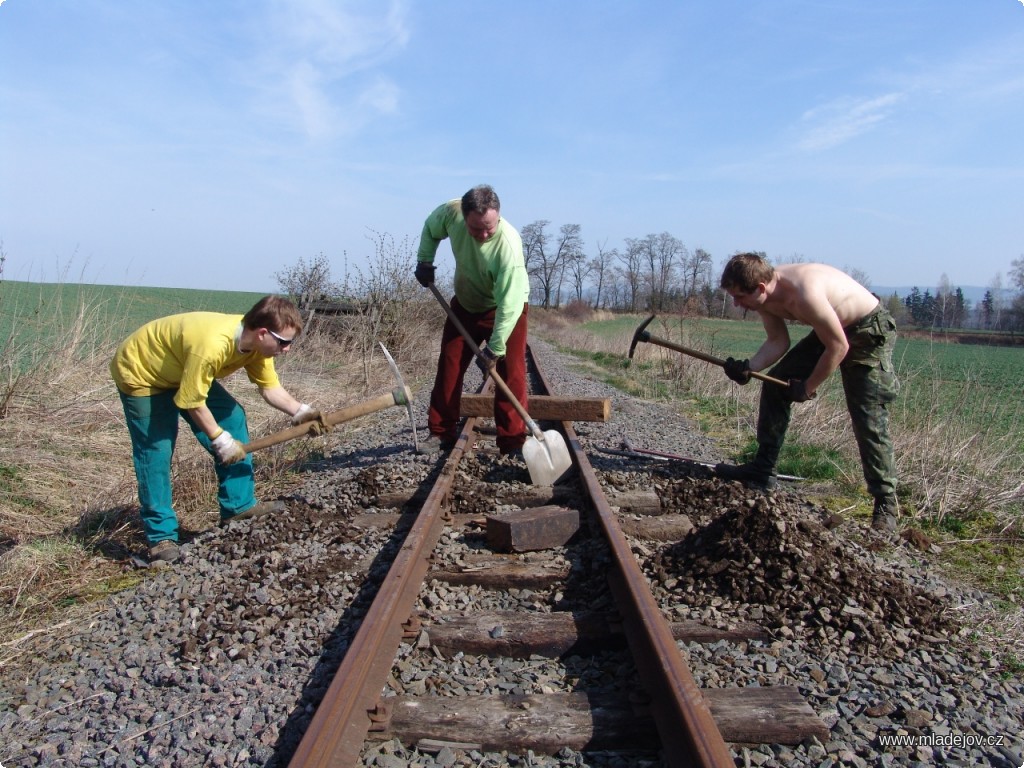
(170, 367)
(492, 291)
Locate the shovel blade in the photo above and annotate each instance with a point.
(546, 460)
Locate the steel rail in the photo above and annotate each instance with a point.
(335, 736)
(689, 734)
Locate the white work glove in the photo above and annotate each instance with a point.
(227, 449)
(304, 414)
(308, 413)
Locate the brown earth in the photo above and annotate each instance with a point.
(781, 552)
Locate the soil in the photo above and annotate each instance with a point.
(781, 552)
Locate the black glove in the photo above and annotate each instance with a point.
(424, 273)
(737, 370)
(796, 392)
(486, 360)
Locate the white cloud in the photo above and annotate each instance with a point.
(316, 62)
(833, 124)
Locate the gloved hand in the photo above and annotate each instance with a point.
(424, 273)
(227, 449)
(486, 360)
(737, 370)
(797, 392)
(304, 414)
(308, 413)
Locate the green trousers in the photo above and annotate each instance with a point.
(869, 382)
(153, 426)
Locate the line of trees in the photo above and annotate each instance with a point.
(656, 273)
(998, 310)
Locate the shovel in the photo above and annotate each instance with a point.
(545, 453)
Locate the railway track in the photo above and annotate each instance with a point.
(224, 658)
(584, 602)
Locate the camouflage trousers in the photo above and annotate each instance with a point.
(869, 382)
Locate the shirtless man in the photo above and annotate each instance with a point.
(851, 331)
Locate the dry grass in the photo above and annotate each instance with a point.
(68, 513)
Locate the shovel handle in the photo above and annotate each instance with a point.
(399, 396)
(498, 381)
(707, 358)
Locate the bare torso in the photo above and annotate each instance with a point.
(804, 289)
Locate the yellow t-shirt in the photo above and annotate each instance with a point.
(187, 352)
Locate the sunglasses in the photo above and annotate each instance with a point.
(282, 342)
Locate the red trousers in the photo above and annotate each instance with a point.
(455, 357)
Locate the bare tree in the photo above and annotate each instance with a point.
(568, 252)
(579, 269)
(535, 242)
(546, 265)
(662, 255)
(308, 281)
(1017, 273)
(697, 277)
(601, 268)
(859, 275)
(632, 261)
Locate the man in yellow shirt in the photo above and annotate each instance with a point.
(492, 291)
(170, 367)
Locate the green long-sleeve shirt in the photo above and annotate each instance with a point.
(488, 275)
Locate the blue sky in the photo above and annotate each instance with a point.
(211, 144)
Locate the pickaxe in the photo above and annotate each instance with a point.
(399, 396)
(642, 334)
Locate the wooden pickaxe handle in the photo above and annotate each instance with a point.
(644, 335)
(399, 396)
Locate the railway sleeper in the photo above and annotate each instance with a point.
(520, 635)
(583, 720)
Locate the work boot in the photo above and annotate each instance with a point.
(257, 510)
(753, 474)
(165, 551)
(435, 444)
(886, 513)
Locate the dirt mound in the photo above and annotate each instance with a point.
(772, 550)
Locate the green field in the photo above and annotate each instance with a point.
(35, 315)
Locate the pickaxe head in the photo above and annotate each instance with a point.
(405, 390)
(641, 334)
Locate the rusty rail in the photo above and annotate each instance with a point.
(337, 731)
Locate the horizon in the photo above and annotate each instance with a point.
(210, 145)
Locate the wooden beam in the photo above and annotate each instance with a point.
(544, 407)
(520, 635)
(582, 721)
(494, 571)
(527, 530)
